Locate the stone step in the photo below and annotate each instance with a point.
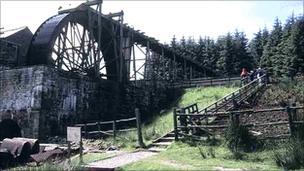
(166, 139)
(156, 149)
(171, 134)
(161, 143)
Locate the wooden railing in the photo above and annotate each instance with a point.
(186, 120)
(197, 82)
(238, 95)
(234, 98)
(204, 82)
(95, 128)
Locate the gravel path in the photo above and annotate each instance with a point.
(121, 160)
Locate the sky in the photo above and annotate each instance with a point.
(163, 19)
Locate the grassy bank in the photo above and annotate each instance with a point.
(163, 123)
(182, 156)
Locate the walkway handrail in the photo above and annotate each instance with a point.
(231, 95)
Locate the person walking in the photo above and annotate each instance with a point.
(244, 75)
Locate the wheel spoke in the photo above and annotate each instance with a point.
(76, 49)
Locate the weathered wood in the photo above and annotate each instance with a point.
(175, 124)
(85, 130)
(139, 131)
(106, 122)
(290, 121)
(204, 126)
(99, 129)
(126, 120)
(281, 136)
(240, 112)
(114, 131)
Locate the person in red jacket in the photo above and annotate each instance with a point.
(244, 75)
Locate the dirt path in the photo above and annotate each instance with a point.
(121, 160)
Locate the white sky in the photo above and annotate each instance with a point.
(163, 19)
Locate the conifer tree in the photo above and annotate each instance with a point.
(225, 61)
(269, 59)
(256, 48)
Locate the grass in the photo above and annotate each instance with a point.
(182, 156)
(202, 96)
(163, 123)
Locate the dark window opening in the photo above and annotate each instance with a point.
(9, 129)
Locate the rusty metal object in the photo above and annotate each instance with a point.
(20, 150)
(35, 147)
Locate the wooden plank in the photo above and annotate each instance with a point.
(205, 126)
(126, 120)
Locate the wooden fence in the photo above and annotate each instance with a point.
(236, 96)
(95, 128)
(190, 121)
(205, 82)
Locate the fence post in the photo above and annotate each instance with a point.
(99, 129)
(85, 130)
(183, 120)
(294, 112)
(114, 130)
(139, 133)
(175, 125)
(290, 121)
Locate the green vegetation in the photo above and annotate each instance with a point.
(290, 155)
(182, 156)
(279, 50)
(279, 94)
(163, 123)
(239, 139)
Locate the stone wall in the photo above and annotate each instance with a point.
(44, 101)
(20, 98)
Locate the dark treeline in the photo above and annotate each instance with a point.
(280, 51)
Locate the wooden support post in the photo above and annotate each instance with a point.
(294, 112)
(175, 125)
(290, 121)
(134, 62)
(207, 122)
(183, 120)
(80, 153)
(191, 72)
(114, 130)
(99, 129)
(69, 152)
(139, 132)
(85, 130)
(147, 63)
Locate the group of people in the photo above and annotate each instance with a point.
(252, 75)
